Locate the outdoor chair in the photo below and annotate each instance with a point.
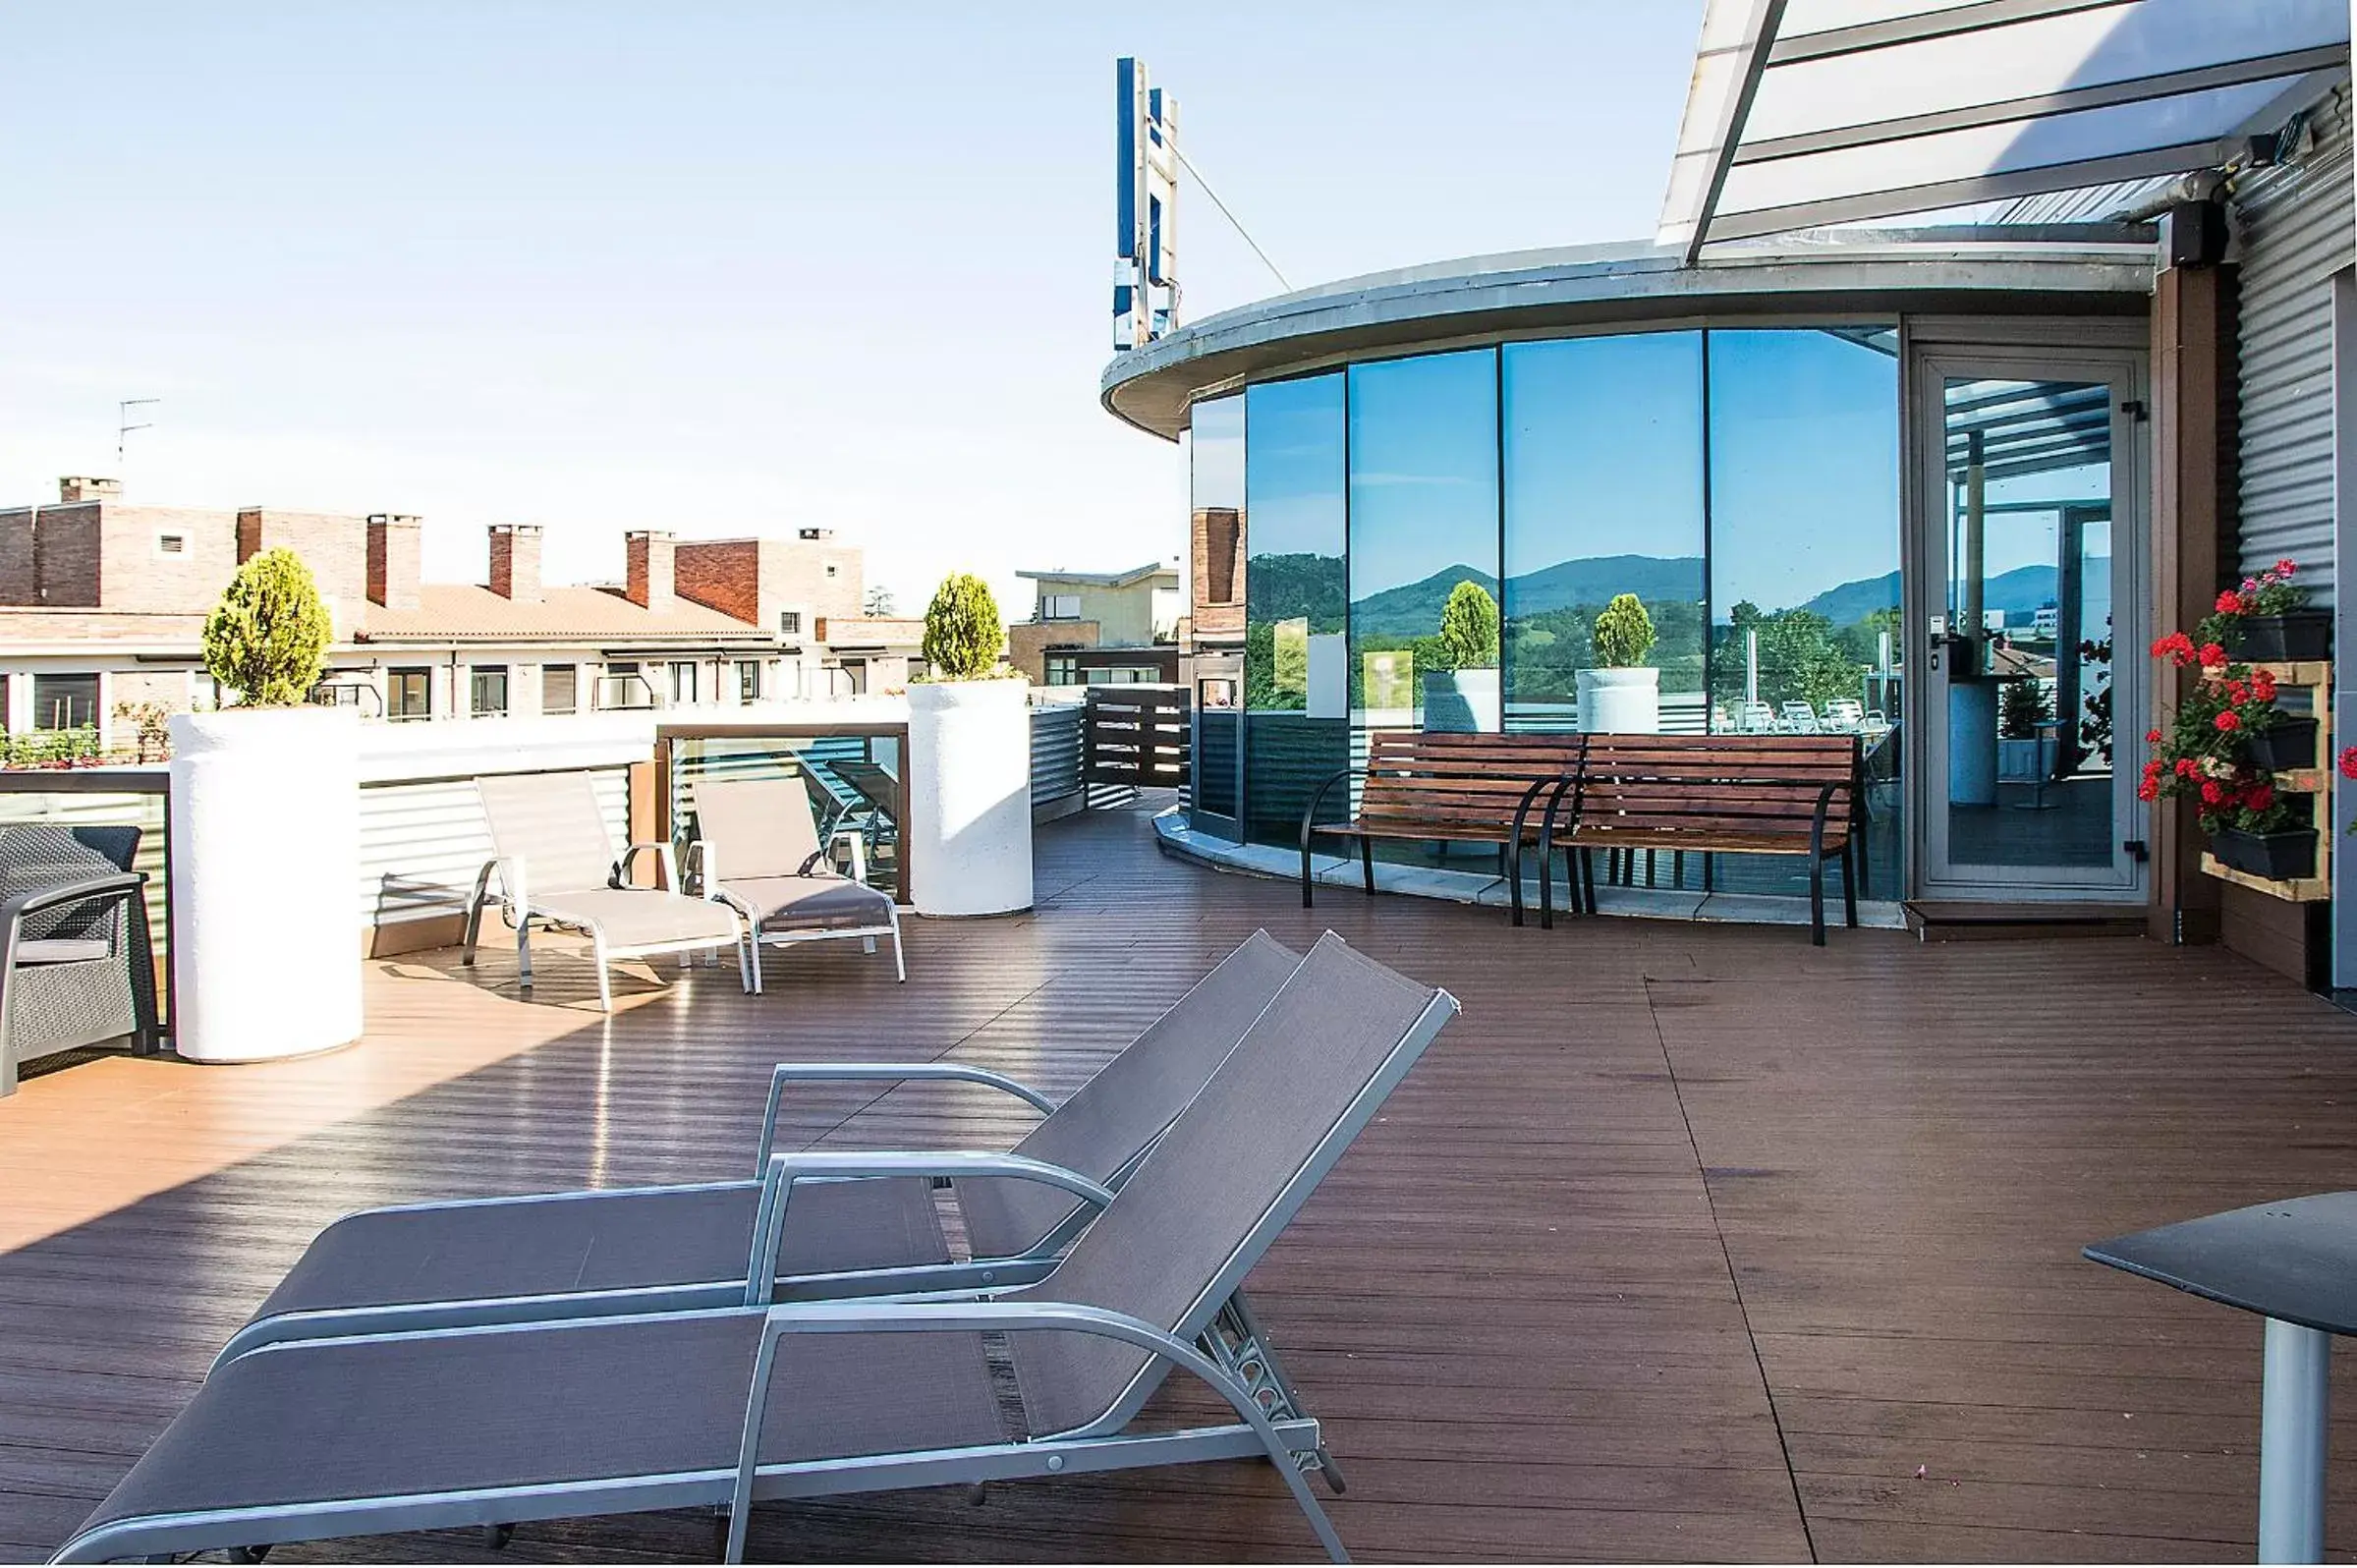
(1844, 715)
(556, 866)
(1799, 718)
(77, 967)
(496, 1424)
(624, 1250)
(757, 850)
(1756, 718)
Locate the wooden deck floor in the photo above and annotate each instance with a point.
(1684, 1242)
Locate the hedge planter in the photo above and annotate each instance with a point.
(265, 879)
(2300, 635)
(2282, 856)
(2283, 746)
(968, 833)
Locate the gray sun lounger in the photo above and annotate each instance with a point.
(556, 866)
(494, 1425)
(625, 1250)
(757, 850)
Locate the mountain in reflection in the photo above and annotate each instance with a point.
(1413, 609)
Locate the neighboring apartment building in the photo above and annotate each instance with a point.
(103, 603)
(1102, 628)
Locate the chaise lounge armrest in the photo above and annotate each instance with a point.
(881, 1071)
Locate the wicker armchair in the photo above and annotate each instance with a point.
(77, 967)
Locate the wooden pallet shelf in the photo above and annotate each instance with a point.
(2316, 675)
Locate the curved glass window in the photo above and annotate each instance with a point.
(1423, 542)
(1604, 464)
(1295, 587)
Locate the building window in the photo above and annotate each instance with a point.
(409, 694)
(559, 688)
(487, 690)
(1059, 606)
(65, 702)
(171, 544)
(1064, 670)
(683, 681)
(789, 623)
(748, 680)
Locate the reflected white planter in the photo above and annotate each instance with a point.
(1621, 701)
(265, 884)
(1461, 701)
(968, 833)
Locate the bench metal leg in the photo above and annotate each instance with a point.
(1849, 883)
(1816, 900)
(2294, 1405)
(1587, 876)
(1366, 863)
(1305, 871)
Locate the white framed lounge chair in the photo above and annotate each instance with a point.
(494, 1425)
(757, 850)
(555, 864)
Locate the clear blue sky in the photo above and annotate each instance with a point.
(733, 268)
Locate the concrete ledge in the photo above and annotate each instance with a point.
(1175, 838)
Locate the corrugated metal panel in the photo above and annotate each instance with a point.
(1055, 751)
(2294, 227)
(422, 844)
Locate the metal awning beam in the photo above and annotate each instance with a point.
(2045, 105)
(1952, 22)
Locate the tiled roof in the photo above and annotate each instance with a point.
(467, 612)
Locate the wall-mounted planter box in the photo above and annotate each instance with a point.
(2284, 856)
(2301, 635)
(2283, 746)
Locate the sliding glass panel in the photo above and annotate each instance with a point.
(1295, 600)
(1804, 561)
(1423, 542)
(1603, 464)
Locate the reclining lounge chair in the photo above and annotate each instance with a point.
(492, 1425)
(757, 850)
(625, 1250)
(556, 867)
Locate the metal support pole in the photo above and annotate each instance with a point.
(2294, 1406)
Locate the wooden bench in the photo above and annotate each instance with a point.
(1717, 794)
(1448, 788)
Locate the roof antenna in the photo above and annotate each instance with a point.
(124, 427)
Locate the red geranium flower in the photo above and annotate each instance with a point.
(2348, 763)
(2239, 691)
(2153, 738)
(2259, 797)
(2287, 566)
(2229, 720)
(2230, 603)
(2213, 657)
(2149, 790)
(2187, 768)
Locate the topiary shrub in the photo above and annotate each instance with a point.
(962, 632)
(1624, 633)
(267, 639)
(1469, 628)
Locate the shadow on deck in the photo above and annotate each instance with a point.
(1684, 1242)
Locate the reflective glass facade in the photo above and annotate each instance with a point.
(1430, 539)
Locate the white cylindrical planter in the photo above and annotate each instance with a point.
(1622, 699)
(1461, 703)
(968, 833)
(265, 884)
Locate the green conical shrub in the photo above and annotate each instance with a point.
(1624, 633)
(1469, 628)
(962, 632)
(268, 637)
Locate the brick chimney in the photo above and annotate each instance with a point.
(652, 556)
(73, 488)
(393, 549)
(516, 562)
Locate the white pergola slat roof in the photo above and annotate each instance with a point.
(1806, 113)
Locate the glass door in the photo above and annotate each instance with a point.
(2028, 542)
